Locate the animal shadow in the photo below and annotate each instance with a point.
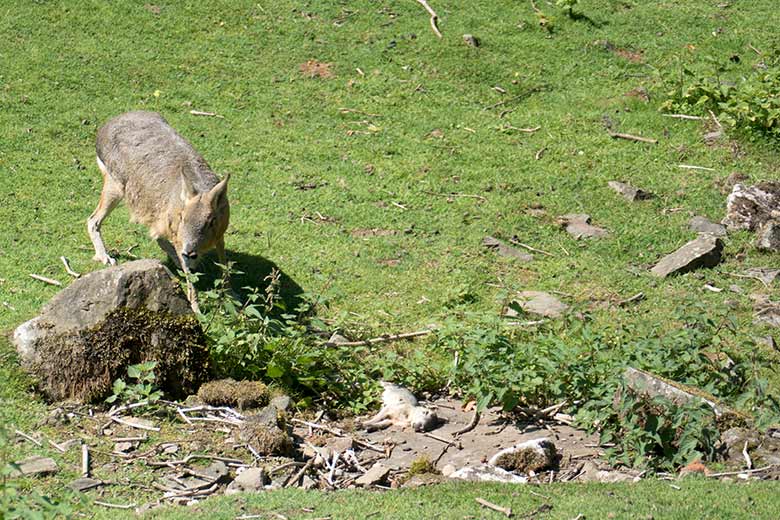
(249, 273)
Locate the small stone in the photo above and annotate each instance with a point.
(448, 470)
(705, 225)
(705, 251)
(251, 479)
(470, 40)
(217, 470)
(123, 447)
(539, 303)
(592, 473)
(84, 484)
(308, 483)
(337, 338)
(768, 236)
(578, 225)
(505, 250)
(378, 473)
(629, 192)
(35, 465)
(281, 402)
(487, 473)
(340, 444)
(72, 443)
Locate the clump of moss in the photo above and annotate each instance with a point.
(83, 365)
(228, 392)
(422, 465)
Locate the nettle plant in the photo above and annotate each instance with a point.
(140, 388)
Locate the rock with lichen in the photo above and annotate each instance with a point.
(266, 432)
(91, 331)
(229, 392)
(530, 456)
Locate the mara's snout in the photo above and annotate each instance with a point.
(166, 185)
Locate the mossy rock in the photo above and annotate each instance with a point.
(240, 394)
(90, 332)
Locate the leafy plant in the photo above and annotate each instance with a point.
(141, 388)
(567, 6)
(750, 102)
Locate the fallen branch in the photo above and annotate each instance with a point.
(189, 458)
(128, 407)
(470, 426)
(299, 474)
(748, 462)
(434, 17)
(690, 167)
(45, 280)
(68, 270)
(515, 242)
(85, 461)
(538, 154)
(743, 472)
(31, 439)
(442, 439)
(630, 137)
(114, 506)
(684, 116)
(380, 339)
(525, 130)
(134, 425)
(56, 446)
(635, 298)
(208, 114)
(338, 433)
(463, 195)
(490, 505)
(353, 111)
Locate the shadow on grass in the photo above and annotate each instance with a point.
(249, 273)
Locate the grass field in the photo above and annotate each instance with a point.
(369, 158)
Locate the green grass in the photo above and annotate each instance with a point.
(68, 67)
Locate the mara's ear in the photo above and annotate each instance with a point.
(187, 189)
(218, 192)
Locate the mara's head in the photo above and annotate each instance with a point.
(422, 419)
(203, 220)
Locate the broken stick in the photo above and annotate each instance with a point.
(68, 270)
(490, 505)
(380, 339)
(470, 426)
(45, 280)
(85, 461)
(630, 137)
(434, 17)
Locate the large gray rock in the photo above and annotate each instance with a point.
(539, 303)
(704, 251)
(91, 331)
(650, 386)
(749, 207)
(578, 225)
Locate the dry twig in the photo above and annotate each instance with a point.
(31, 439)
(434, 17)
(114, 506)
(517, 243)
(208, 114)
(683, 116)
(380, 339)
(490, 505)
(630, 137)
(470, 426)
(338, 433)
(45, 280)
(85, 461)
(690, 167)
(68, 270)
(135, 425)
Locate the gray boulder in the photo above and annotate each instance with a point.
(705, 251)
(91, 331)
(705, 225)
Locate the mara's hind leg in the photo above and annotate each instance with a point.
(112, 194)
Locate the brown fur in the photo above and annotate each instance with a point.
(166, 185)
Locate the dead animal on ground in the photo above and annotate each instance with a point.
(166, 185)
(400, 408)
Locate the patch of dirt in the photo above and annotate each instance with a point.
(317, 69)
